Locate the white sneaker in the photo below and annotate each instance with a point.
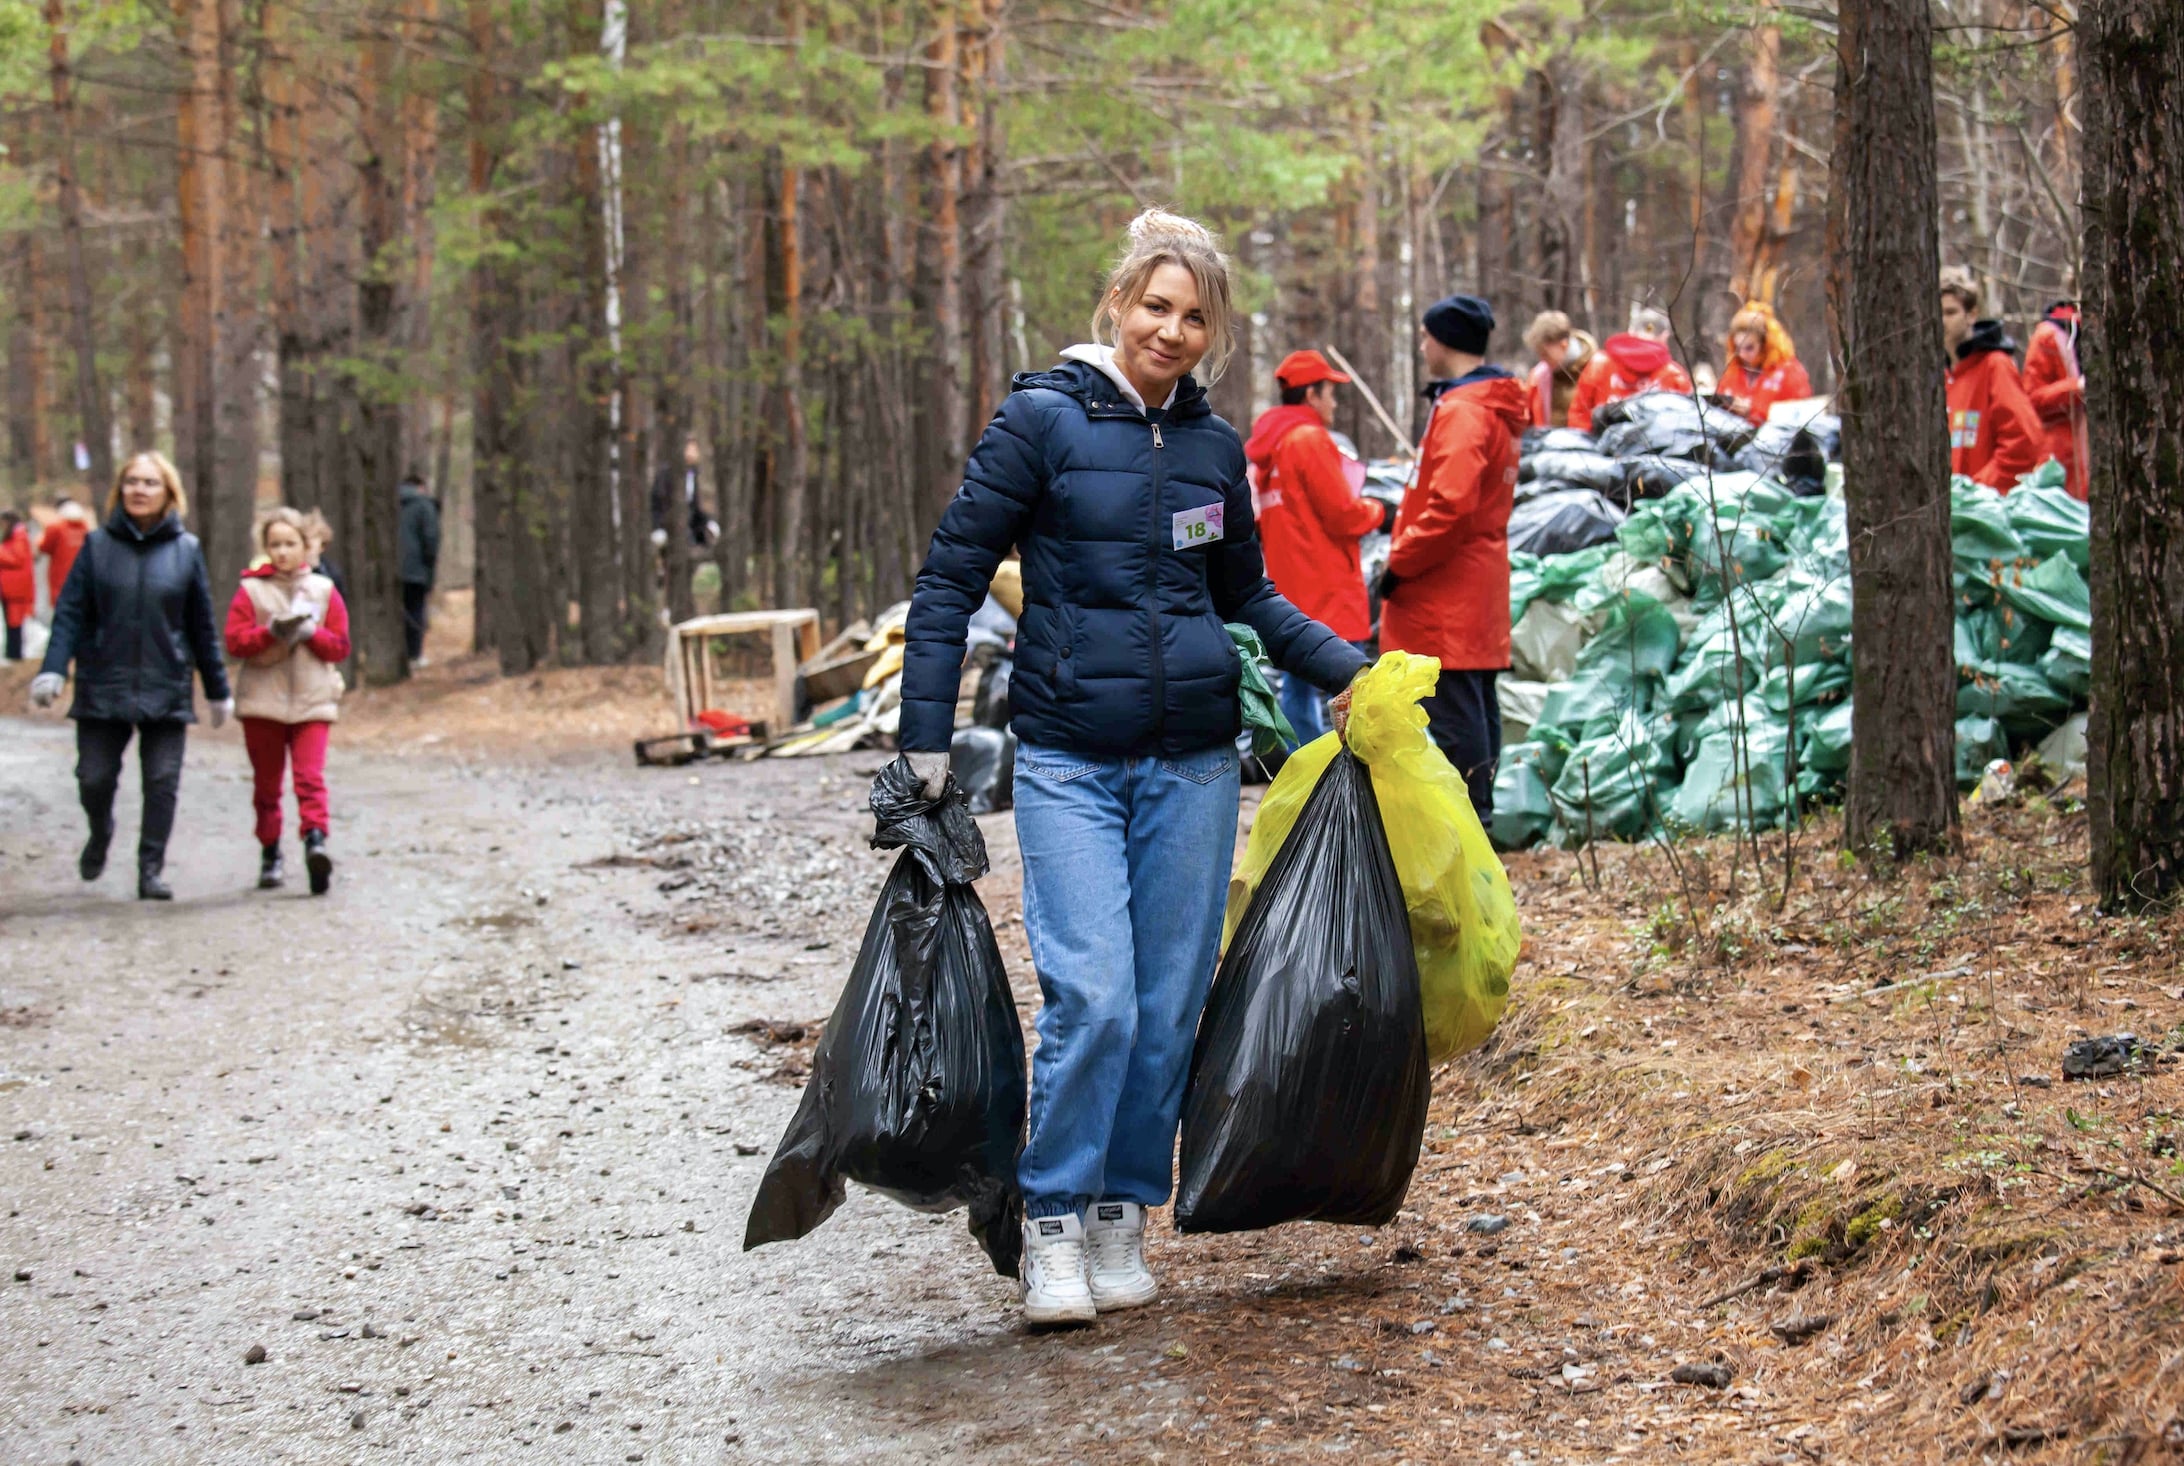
(1055, 1287)
(1116, 1239)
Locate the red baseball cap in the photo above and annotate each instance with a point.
(1305, 368)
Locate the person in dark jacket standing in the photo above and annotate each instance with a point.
(135, 616)
(420, 563)
(680, 481)
(1128, 501)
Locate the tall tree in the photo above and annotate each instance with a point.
(2133, 52)
(91, 415)
(1887, 326)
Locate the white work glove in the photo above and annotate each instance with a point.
(222, 711)
(659, 539)
(45, 689)
(303, 630)
(712, 530)
(931, 772)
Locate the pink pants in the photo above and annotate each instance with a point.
(273, 746)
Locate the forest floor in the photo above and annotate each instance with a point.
(466, 1148)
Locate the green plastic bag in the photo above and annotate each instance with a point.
(2068, 662)
(2016, 696)
(1608, 785)
(1562, 576)
(1524, 806)
(2049, 475)
(1640, 639)
(1815, 684)
(1815, 621)
(2048, 520)
(1826, 744)
(1524, 583)
(2052, 590)
(1979, 741)
(1660, 529)
(1601, 696)
(1735, 781)
(1270, 731)
(1979, 526)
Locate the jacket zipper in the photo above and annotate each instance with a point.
(1152, 587)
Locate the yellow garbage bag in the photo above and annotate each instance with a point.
(1463, 918)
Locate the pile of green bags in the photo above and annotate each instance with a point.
(1695, 675)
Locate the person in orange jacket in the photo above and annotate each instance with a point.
(1564, 352)
(1311, 516)
(2054, 381)
(1627, 364)
(62, 542)
(18, 583)
(1994, 435)
(1445, 593)
(1763, 366)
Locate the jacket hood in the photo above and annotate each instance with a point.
(122, 527)
(1499, 393)
(75, 513)
(2064, 317)
(1986, 336)
(1635, 353)
(1275, 424)
(1099, 389)
(1485, 371)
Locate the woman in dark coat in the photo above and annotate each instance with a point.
(135, 617)
(1128, 500)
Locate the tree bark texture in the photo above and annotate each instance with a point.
(375, 441)
(199, 197)
(91, 414)
(1887, 328)
(2133, 57)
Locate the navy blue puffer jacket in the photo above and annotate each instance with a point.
(136, 616)
(1120, 650)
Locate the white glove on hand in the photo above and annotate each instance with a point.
(303, 630)
(222, 711)
(712, 530)
(930, 770)
(45, 689)
(659, 539)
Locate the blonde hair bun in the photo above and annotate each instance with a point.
(1156, 226)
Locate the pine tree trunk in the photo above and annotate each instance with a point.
(373, 467)
(1887, 322)
(1754, 151)
(91, 415)
(495, 319)
(230, 498)
(941, 413)
(198, 198)
(2134, 153)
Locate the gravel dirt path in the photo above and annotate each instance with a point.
(465, 1147)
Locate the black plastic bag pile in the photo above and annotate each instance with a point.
(1309, 1084)
(1799, 456)
(1562, 521)
(917, 1088)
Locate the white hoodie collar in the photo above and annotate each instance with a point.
(1103, 358)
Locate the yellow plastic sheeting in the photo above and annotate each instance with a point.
(1463, 918)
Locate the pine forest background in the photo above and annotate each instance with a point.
(523, 246)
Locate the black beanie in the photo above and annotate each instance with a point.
(1461, 323)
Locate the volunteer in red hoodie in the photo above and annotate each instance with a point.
(1311, 516)
(1626, 365)
(62, 542)
(1763, 366)
(289, 628)
(1994, 435)
(1445, 593)
(18, 579)
(2054, 381)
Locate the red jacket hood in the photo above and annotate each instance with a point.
(1635, 354)
(1275, 424)
(1504, 396)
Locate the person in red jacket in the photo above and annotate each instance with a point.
(289, 628)
(1626, 365)
(62, 542)
(1563, 352)
(1994, 435)
(1311, 516)
(2054, 381)
(1763, 366)
(1445, 593)
(18, 582)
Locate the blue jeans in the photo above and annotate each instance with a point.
(1304, 705)
(1126, 867)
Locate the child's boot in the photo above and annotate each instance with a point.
(317, 861)
(272, 874)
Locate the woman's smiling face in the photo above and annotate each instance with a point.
(1163, 335)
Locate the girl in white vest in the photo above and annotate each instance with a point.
(289, 629)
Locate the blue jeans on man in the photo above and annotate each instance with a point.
(1126, 867)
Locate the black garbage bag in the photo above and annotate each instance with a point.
(1555, 440)
(1671, 424)
(990, 707)
(1562, 521)
(1649, 476)
(982, 761)
(1581, 468)
(917, 1088)
(1796, 455)
(1308, 1087)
